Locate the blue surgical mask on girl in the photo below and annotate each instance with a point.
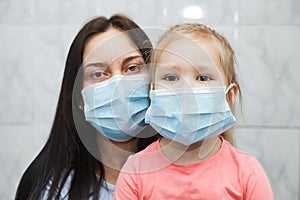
(189, 115)
(116, 107)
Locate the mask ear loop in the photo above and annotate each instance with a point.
(229, 87)
(151, 86)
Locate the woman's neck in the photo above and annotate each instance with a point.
(197, 152)
(113, 156)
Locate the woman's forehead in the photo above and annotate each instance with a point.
(109, 46)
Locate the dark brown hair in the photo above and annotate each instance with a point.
(64, 152)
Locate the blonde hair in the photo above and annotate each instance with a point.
(203, 33)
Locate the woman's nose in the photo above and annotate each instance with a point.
(116, 72)
(114, 69)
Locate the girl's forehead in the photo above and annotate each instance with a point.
(186, 55)
(191, 51)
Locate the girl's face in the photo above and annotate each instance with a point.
(108, 54)
(188, 63)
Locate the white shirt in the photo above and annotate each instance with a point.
(106, 190)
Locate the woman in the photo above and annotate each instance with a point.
(67, 166)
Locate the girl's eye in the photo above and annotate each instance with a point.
(171, 78)
(203, 78)
(133, 69)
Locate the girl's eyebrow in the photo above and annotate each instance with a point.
(178, 68)
(170, 66)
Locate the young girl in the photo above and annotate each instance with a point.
(193, 91)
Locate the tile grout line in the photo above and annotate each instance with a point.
(268, 127)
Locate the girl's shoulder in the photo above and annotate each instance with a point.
(154, 146)
(234, 152)
(240, 159)
(250, 172)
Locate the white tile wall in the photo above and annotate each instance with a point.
(18, 147)
(279, 12)
(268, 59)
(277, 150)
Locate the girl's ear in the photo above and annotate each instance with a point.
(231, 94)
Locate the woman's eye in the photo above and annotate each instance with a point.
(171, 78)
(133, 69)
(203, 78)
(98, 75)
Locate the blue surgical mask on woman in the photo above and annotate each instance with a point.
(116, 107)
(189, 115)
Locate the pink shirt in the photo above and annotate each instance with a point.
(230, 174)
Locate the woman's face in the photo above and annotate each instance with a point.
(108, 54)
(186, 63)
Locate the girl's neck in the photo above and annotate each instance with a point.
(113, 156)
(197, 152)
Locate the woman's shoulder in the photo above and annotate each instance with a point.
(106, 191)
(65, 189)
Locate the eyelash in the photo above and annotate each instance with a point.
(167, 77)
(133, 66)
(199, 78)
(99, 75)
(203, 77)
(94, 75)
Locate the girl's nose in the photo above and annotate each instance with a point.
(189, 82)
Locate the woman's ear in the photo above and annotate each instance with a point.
(231, 94)
(80, 103)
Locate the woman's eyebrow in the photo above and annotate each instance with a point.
(96, 64)
(130, 58)
(105, 65)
